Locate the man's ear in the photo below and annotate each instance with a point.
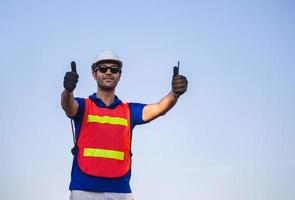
(120, 75)
(94, 74)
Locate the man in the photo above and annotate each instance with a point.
(102, 158)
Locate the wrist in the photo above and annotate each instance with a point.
(175, 95)
(68, 91)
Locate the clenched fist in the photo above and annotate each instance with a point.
(71, 78)
(179, 83)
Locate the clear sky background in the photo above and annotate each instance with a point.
(230, 137)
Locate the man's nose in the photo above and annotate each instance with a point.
(108, 71)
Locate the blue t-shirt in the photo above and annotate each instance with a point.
(81, 181)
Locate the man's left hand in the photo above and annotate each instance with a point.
(179, 83)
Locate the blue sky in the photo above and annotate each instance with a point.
(231, 136)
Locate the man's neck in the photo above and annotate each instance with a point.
(107, 97)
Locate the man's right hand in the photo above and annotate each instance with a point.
(179, 83)
(71, 78)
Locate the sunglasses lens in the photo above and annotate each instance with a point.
(104, 69)
(114, 70)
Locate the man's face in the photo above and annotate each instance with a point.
(107, 75)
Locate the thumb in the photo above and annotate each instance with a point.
(73, 66)
(176, 70)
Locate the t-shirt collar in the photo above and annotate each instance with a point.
(100, 103)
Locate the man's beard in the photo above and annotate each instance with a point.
(107, 88)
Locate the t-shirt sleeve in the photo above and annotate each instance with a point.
(136, 114)
(79, 115)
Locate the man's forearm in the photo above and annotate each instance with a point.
(167, 103)
(68, 102)
(152, 111)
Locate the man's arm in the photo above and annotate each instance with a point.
(179, 86)
(152, 111)
(68, 103)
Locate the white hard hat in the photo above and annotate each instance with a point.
(108, 55)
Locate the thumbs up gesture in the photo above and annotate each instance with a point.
(179, 82)
(71, 78)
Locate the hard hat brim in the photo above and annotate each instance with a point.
(109, 60)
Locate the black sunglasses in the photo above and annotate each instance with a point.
(103, 69)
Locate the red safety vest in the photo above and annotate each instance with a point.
(104, 141)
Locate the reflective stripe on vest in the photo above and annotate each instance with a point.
(103, 153)
(107, 120)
